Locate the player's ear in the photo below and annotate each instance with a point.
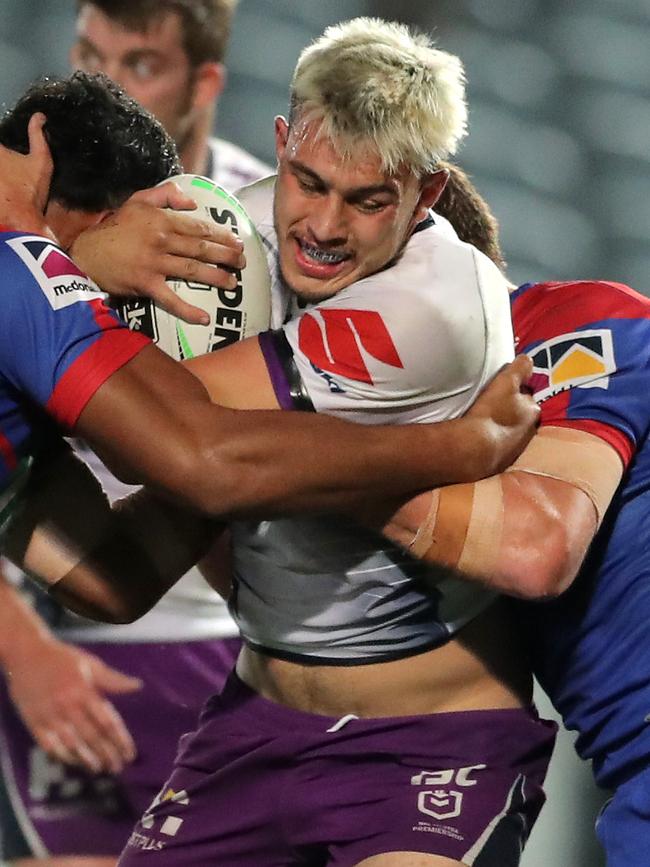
(432, 187)
(281, 135)
(209, 81)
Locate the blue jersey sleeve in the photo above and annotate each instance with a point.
(58, 340)
(590, 345)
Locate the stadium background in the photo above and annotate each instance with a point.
(559, 144)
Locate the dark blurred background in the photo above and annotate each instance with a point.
(559, 95)
(559, 144)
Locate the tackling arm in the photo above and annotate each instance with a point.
(526, 531)
(109, 564)
(152, 421)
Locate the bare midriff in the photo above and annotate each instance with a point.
(483, 667)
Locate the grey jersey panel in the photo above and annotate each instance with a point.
(322, 589)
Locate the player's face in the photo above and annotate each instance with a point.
(151, 66)
(337, 219)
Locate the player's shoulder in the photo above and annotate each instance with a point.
(544, 312)
(436, 264)
(257, 200)
(38, 273)
(579, 301)
(233, 167)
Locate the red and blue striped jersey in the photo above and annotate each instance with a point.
(59, 343)
(590, 343)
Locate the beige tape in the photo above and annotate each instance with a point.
(576, 457)
(423, 539)
(482, 546)
(479, 546)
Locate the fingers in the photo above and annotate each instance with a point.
(522, 368)
(166, 298)
(106, 736)
(167, 195)
(109, 679)
(223, 247)
(92, 736)
(51, 742)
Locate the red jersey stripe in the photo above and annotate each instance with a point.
(7, 452)
(84, 377)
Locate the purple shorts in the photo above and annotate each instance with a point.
(50, 808)
(260, 784)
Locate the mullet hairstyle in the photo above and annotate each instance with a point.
(470, 215)
(377, 85)
(206, 24)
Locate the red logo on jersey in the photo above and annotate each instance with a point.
(334, 342)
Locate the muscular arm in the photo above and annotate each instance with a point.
(115, 565)
(153, 422)
(106, 563)
(547, 524)
(535, 531)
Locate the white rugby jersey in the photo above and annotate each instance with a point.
(415, 342)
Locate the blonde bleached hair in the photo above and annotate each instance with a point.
(374, 84)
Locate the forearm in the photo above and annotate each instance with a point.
(517, 533)
(147, 546)
(269, 464)
(230, 463)
(109, 564)
(21, 630)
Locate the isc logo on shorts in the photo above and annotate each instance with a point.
(61, 281)
(441, 802)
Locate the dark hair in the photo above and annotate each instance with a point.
(206, 23)
(105, 146)
(469, 214)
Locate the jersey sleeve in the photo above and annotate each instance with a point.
(590, 346)
(59, 342)
(405, 345)
(358, 360)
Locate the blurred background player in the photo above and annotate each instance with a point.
(168, 55)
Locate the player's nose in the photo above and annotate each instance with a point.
(327, 221)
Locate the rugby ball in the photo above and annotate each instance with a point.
(234, 313)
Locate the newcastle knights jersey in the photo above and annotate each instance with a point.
(590, 344)
(58, 343)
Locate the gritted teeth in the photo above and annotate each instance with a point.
(325, 257)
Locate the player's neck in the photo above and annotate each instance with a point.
(194, 149)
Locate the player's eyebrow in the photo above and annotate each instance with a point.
(87, 44)
(296, 165)
(133, 55)
(356, 193)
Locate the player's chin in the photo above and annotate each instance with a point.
(317, 288)
(313, 290)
